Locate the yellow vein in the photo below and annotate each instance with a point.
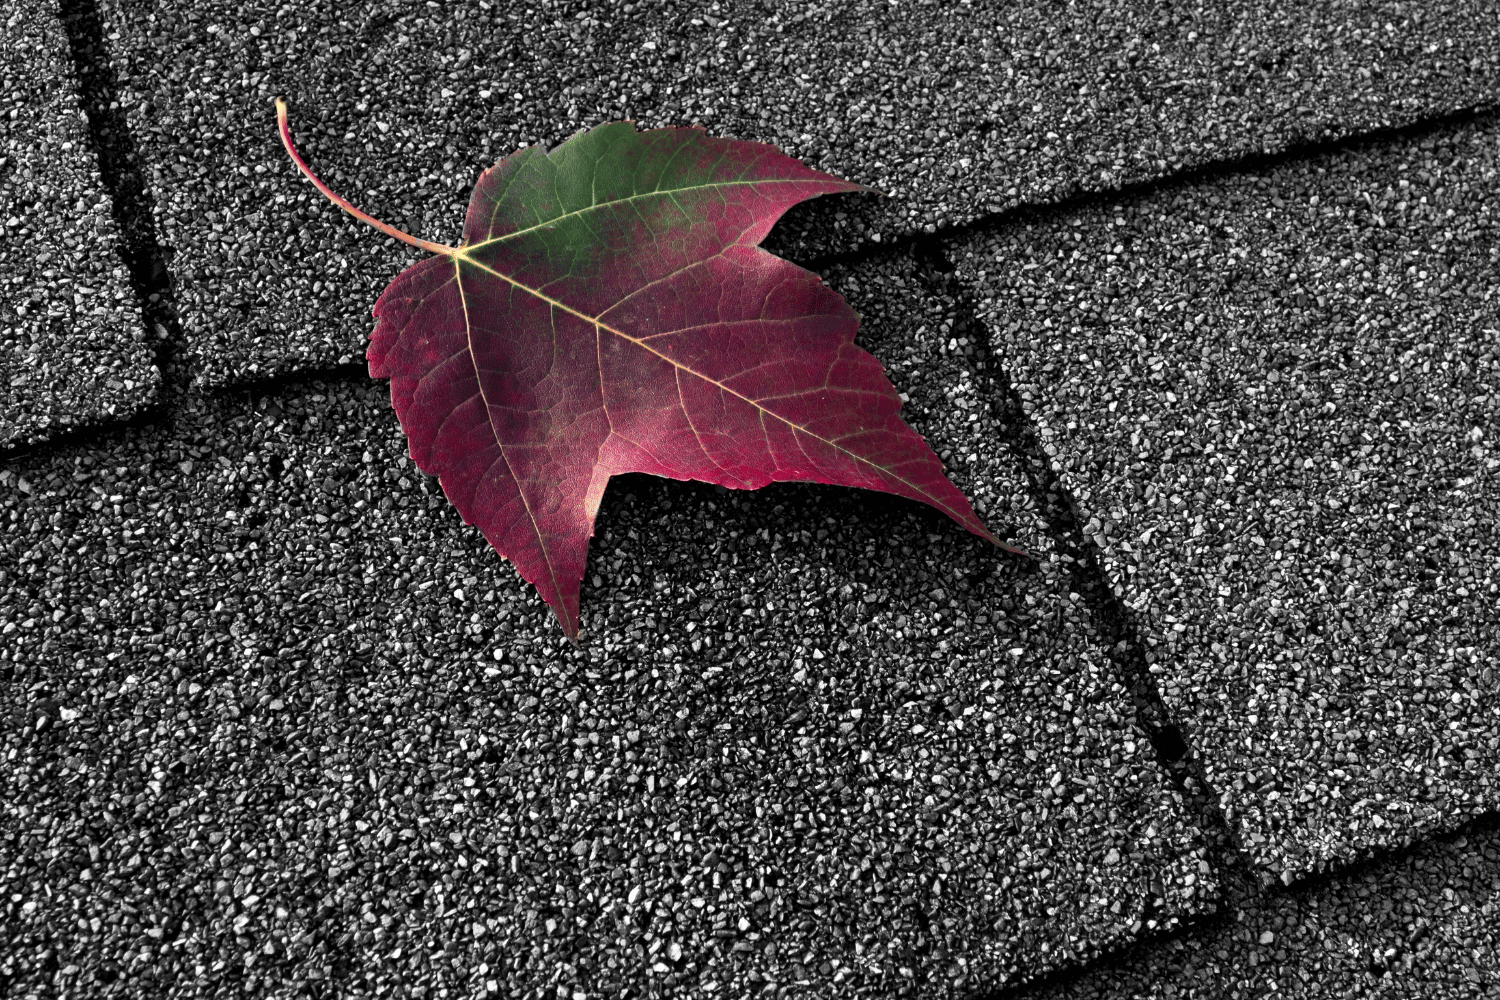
(669, 192)
(595, 321)
(526, 503)
(687, 415)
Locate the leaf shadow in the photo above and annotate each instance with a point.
(856, 515)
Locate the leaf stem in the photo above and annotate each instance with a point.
(389, 230)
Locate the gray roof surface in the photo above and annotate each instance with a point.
(276, 722)
(818, 735)
(963, 110)
(1274, 397)
(1422, 926)
(73, 348)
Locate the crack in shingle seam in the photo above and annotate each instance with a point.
(1187, 176)
(1085, 574)
(113, 145)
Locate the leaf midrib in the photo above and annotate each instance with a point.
(462, 256)
(664, 192)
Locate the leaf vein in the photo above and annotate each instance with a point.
(916, 490)
(525, 501)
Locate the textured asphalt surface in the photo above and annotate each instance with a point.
(73, 348)
(952, 110)
(304, 726)
(277, 723)
(1422, 926)
(1300, 512)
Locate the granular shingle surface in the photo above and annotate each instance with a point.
(1423, 926)
(72, 345)
(273, 722)
(952, 110)
(281, 717)
(293, 721)
(1274, 399)
(923, 338)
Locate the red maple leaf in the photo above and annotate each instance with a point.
(609, 311)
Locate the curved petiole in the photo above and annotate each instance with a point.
(389, 230)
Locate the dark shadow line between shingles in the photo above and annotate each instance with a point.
(1375, 858)
(287, 381)
(1231, 866)
(146, 261)
(1242, 885)
(1299, 150)
(919, 244)
(85, 435)
(1148, 950)
(157, 413)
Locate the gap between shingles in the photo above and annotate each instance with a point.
(131, 204)
(1169, 949)
(1084, 571)
(85, 36)
(1188, 176)
(148, 265)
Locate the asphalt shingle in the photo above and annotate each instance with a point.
(73, 348)
(1419, 926)
(952, 110)
(275, 722)
(1273, 399)
(276, 716)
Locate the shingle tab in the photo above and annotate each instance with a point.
(953, 110)
(73, 349)
(1417, 926)
(933, 357)
(1274, 399)
(812, 736)
(806, 719)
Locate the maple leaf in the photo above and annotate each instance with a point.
(609, 311)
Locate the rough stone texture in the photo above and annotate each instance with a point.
(1420, 926)
(1274, 401)
(257, 737)
(953, 110)
(72, 346)
(275, 716)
